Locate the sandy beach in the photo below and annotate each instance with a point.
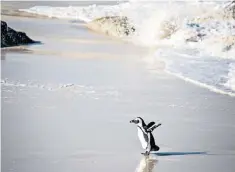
(67, 103)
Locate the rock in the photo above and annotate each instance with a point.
(10, 37)
(196, 38)
(229, 10)
(117, 26)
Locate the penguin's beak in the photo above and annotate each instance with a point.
(134, 121)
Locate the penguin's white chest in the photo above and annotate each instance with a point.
(142, 139)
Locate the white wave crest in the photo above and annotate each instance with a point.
(84, 13)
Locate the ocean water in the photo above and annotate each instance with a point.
(196, 39)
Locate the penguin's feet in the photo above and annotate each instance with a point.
(146, 153)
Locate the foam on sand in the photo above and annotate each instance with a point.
(78, 90)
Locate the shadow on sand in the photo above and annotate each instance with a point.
(177, 153)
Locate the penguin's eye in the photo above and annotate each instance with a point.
(138, 121)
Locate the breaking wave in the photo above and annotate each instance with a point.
(231, 77)
(203, 31)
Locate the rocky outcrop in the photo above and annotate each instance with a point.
(229, 10)
(10, 37)
(118, 26)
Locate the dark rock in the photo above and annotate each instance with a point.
(196, 38)
(10, 37)
(194, 25)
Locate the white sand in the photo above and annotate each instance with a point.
(66, 106)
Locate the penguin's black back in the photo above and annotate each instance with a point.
(154, 147)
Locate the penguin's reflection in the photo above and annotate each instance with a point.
(147, 164)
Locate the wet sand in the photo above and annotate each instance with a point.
(66, 106)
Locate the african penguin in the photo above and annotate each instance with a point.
(145, 134)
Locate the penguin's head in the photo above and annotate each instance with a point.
(138, 121)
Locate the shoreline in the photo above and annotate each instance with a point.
(108, 38)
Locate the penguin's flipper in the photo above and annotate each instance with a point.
(151, 126)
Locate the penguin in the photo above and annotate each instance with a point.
(145, 135)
